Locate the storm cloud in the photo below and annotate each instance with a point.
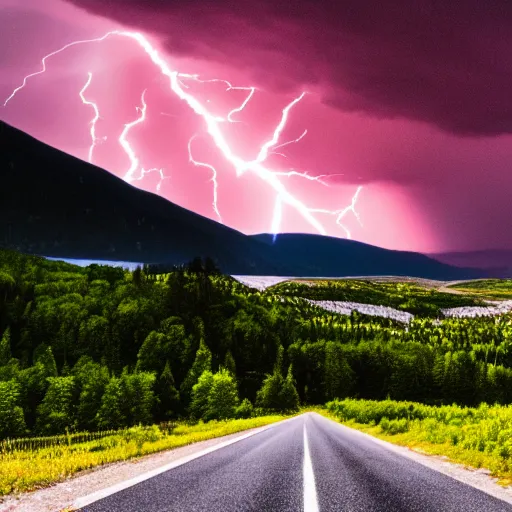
(444, 63)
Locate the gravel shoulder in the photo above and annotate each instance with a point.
(59, 496)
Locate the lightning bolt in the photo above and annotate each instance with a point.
(94, 119)
(298, 139)
(229, 87)
(213, 178)
(306, 176)
(134, 161)
(341, 213)
(213, 128)
(46, 57)
(144, 173)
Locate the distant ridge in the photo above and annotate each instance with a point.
(54, 204)
(497, 262)
(329, 256)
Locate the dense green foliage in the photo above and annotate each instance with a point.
(479, 436)
(100, 348)
(400, 295)
(490, 288)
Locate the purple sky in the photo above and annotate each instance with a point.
(410, 100)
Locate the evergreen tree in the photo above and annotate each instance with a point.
(58, 410)
(43, 355)
(288, 396)
(339, 377)
(269, 395)
(167, 394)
(140, 395)
(93, 379)
(229, 363)
(202, 363)
(110, 414)
(200, 393)
(223, 397)
(5, 348)
(12, 421)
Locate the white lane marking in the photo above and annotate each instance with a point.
(466, 475)
(310, 499)
(103, 493)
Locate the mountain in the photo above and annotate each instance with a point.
(497, 262)
(56, 205)
(328, 256)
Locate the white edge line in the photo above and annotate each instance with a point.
(310, 498)
(103, 493)
(428, 461)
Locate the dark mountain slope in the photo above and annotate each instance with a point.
(497, 262)
(56, 205)
(328, 256)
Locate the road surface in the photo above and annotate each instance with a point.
(309, 464)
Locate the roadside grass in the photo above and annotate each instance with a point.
(26, 470)
(478, 437)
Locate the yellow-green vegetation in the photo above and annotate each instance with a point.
(24, 470)
(409, 297)
(479, 437)
(487, 288)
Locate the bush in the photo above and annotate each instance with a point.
(142, 435)
(244, 410)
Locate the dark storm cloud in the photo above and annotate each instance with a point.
(446, 63)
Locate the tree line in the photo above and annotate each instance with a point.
(101, 347)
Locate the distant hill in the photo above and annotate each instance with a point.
(56, 205)
(328, 256)
(498, 262)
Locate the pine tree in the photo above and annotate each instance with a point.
(202, 363)
(200, 393)
(338, 376)
(229, 363)
(93, 384)
(223, 397)
(140, 396)
(167, 394)
(5, 348)
(12, 421)
(288, 396)
(269, 395)
(110, 414)
(58, 410)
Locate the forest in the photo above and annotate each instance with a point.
(100, 348)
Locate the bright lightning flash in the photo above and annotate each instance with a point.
(213, 128)
(94, 119)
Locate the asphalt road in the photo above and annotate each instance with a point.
(306, 464)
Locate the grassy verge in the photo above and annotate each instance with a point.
(488, 288)
(25, 470)
(476, 437)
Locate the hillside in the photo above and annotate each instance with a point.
(328, 257)
(498, 262)
(56, 205)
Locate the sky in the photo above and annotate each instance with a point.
(403, 110)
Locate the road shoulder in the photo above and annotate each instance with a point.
(62, 496)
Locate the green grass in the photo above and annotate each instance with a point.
(487, 288)
(25, 470)
(409, 297)
(477, 437)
